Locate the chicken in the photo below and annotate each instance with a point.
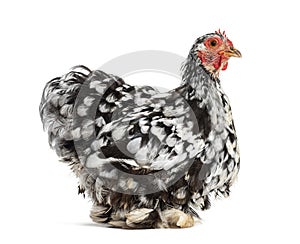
(147, 159)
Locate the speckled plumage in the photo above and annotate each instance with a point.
(146, 159)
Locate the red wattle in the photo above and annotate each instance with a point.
(217, 64)
(225, 66)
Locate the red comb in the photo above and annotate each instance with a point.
(221, 33)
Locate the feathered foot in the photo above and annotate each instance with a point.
(100, 214)
(174, 218)
(142, 218)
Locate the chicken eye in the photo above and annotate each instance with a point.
(213, 43)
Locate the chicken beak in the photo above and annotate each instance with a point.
(232, 52)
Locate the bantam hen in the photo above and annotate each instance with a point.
(147, 159)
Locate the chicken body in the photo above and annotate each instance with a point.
(146, 159)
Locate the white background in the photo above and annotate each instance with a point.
(43, 39)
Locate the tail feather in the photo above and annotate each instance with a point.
(56, 109)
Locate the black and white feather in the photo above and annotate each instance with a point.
(146, 159)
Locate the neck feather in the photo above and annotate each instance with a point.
(203, 88)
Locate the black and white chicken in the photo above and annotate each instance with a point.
(147, 159)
